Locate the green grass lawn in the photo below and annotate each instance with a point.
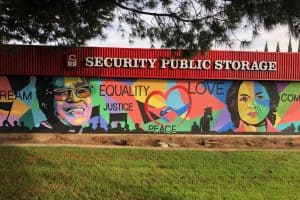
(88, 173)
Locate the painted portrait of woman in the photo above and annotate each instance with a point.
(252, 105)
(66, 102)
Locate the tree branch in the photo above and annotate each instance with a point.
(171, 15)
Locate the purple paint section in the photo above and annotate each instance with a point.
(11, 119)
(281, 86)
(108, 100)
(95, 120)
(223, 119)
(127, 81)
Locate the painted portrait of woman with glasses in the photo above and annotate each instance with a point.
(66, 102)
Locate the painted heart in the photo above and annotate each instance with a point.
(169, 113)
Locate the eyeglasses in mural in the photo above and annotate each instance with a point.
(102, 105)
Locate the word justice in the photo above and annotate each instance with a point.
(119, 106)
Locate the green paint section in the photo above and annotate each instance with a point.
(291, 92)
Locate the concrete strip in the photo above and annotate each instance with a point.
(278, 142)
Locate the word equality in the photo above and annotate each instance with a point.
(121, 90)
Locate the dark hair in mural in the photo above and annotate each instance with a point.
(232, 100)
(43, 85)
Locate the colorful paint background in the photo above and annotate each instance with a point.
(157, 106)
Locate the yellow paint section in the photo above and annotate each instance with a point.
(247, 87)
(71, 81)
(79, 120)
(3, 112)
(278, 119)
(18, 108)
(157, 101)
(154, 85)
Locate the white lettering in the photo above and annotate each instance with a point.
(107, 62)
(206, 64)
(89, 62)
(98, 61)
(164, 63)
(218, 64)
(151, 61)
(272, 66)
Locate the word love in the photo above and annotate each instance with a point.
(203, 87)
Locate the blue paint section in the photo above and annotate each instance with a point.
(261, 95)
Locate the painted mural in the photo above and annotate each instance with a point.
(102, 105)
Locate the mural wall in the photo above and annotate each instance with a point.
(102, 105)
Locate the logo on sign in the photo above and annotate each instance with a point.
(72, 61)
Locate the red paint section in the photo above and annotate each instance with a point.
(292, 114)
(52, 61)
(202, 101)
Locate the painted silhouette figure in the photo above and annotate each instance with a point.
(6, 126)
(99, 128)
(137, 129)
(293, 128)
(195, 127)
(205, 120)
(119, 128)
(89, 129)
(289, 129)
(23, 127)
(126, 128)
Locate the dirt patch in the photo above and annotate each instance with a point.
(290, 142)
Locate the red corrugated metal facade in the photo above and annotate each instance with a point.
(52, 61)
